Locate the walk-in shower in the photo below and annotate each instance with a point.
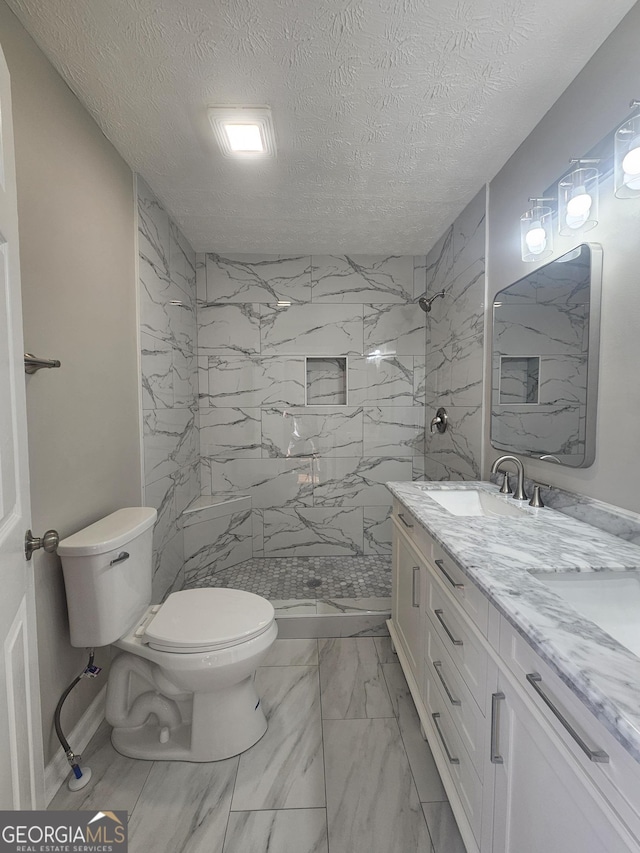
(279, 398)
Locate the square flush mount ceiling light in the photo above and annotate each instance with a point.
(243, 132)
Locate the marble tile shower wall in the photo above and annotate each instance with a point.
(168, 336)
(455, 341)
(311, 394)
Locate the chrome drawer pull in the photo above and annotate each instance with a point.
(440, 565)
(496, 758)
(404, 520)
(452, 759)
(597, 755)
(437, 665)
(414, 586)
(444, 625)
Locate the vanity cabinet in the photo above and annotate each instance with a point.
(517, 777)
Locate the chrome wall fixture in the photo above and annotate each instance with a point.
(577, 202)
(440, 421)
(33, 364)
(627, 155)
(536, 232)
(578, 196)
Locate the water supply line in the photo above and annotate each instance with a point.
(80, 776)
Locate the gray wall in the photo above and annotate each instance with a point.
(76, 211)
(167, 283)
(592, 107)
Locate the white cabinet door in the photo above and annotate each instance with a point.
(542, 803)
(408, 587)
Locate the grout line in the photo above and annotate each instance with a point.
(288, 809)
(433, 847)
(235, 780)
(406, 752)
(324, 760)
(142, 787)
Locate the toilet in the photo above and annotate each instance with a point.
(182, 688)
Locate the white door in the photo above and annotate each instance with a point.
(21, 763)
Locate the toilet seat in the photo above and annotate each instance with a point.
(206, 620)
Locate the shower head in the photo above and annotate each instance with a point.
(425, 303)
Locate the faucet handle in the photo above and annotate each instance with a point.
(440, 421)
(536, 500)
(505, 488)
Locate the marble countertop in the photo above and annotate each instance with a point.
(498, 555)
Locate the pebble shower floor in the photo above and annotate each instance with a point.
(306, 577)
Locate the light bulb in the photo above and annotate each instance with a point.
(631, 165)
(536, 238)
(244, 137)
(580, 203)
(578, 208)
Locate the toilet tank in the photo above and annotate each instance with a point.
(107, 571)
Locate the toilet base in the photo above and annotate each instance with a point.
(224, 723)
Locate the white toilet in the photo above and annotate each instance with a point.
(183, 687)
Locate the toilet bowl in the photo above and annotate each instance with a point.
(204, 669)
(182, 687)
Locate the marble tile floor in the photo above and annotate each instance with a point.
(342, 768)
(292, 578)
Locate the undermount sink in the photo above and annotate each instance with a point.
(473, 502)
(610, 599)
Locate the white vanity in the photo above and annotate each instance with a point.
(532, 712)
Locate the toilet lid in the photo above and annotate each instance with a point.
(199, 620)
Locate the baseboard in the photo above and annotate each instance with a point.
(57, 770)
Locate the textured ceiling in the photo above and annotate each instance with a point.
(389, 114)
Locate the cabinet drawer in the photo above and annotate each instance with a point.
(448, 744)
(616, 778)
(466, 651)
(465, 591)
(467, 716)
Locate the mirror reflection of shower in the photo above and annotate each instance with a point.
(425, 303)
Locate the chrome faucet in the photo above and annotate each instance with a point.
(519, 493)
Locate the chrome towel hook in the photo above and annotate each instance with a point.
(32, 363)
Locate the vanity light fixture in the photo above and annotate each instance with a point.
(578, 198)
(536, 234)
(244, 132)
(627, 155)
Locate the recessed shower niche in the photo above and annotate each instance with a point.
(519, 379)
(326, 381)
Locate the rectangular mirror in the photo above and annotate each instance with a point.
(546, 335)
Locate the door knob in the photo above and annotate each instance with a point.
(49, 542)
